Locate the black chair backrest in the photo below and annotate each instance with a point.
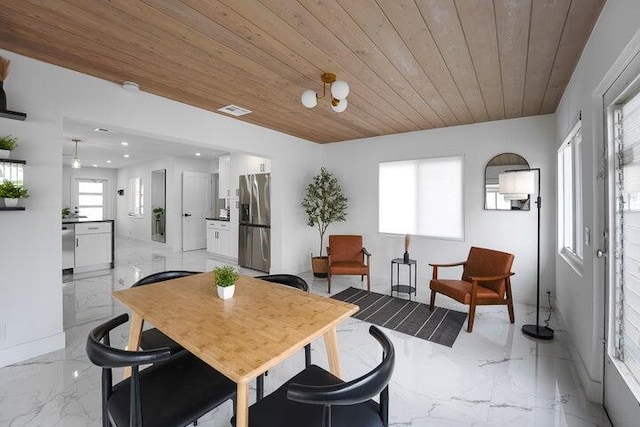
(352, 392)
(287, 279)
(102, 354)
(164, 275)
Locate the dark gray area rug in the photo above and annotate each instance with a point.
(440, 326)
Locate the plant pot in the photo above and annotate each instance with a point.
(4, 154)
(11, 203)
(320, 266)
(226, 292)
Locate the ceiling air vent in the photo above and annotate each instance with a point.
(103, 130)
(234, 110)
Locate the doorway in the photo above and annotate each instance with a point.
(196, 207)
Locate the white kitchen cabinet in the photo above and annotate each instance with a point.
(219, 238)
(258, 165)
(224, 176)
(93, 244)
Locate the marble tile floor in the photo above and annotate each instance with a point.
(492, 377)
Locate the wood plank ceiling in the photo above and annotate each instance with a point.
(411, 64)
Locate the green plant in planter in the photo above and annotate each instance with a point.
(225, 276)
(159, 212)
(9, 190)
(8, 143)
(65, 213)
(324, 203)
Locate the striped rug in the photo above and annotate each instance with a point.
(440, 326)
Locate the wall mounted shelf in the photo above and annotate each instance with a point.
(15, 208)
(13, 115)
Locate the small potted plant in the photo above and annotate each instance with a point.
(11, 192)
(225, 278)
(7, 145)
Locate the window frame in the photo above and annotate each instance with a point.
(417, 202)
(78, 193)
(570, 213)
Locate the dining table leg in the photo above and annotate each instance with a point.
(135, 331)
(331, 343)
(242, 405)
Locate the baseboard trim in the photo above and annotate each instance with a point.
(31, 349)
(592, 388)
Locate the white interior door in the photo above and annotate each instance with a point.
(196, 207)
(621, 387)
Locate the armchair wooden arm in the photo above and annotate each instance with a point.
(368, 255)
(490, 278)
(435, 267)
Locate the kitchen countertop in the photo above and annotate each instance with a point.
(218, 219)
(79, 220)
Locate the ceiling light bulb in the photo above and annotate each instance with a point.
(76, 163)
(126, 156)
(95, 166)
(125, 143)
(309, 98)
(130, 86)
(340, 89)
(108, 161)
(198, 154)
(342, 105)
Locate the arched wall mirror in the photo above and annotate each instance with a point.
(493, 200)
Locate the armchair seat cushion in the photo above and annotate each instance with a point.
(348, 268)
(172, 392)
(460, 290)
(276, 410)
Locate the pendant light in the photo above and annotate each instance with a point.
(76, 161)
(339, 90)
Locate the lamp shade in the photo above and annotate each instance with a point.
(342, 105)
(339, 89)
(517, 185)
(76, 163)
(309, 98)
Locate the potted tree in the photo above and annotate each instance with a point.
(225, 278)
(7, 145)
(11, 192)
(324, 203)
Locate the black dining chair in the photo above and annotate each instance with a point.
(316, 398)
(175, 392)
(153, 338)
(294, 282)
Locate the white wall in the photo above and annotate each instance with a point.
(69, 175)
(581, 298)
(510, 231)
(30, 289)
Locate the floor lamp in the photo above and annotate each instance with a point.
(517, 185)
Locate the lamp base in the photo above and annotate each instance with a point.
(540, 332)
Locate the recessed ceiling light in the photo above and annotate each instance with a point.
(126, 156)
(198, 154)
(125, 143)
(130, 86)
(108, 161)
(95, 166)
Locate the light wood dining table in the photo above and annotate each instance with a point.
(242, 337)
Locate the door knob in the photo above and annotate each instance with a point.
(601, 253)
(187, 214)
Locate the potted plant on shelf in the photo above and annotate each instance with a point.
(11, 192)
(225, 278)
(7, 145)
(324, 203)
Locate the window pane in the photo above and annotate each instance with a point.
(91, 213)
(90, 187)
(422, 197)
(567, 201)
(90, 200)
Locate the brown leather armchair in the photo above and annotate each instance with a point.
(347, 257)
(485, 281)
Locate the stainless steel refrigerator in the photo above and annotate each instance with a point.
(254, 246)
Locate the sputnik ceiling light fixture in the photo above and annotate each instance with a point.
(76, 161)
(339, 90)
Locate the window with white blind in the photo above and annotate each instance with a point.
(422, 197)
(626, 132)
(570, 240)
(91, 198)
